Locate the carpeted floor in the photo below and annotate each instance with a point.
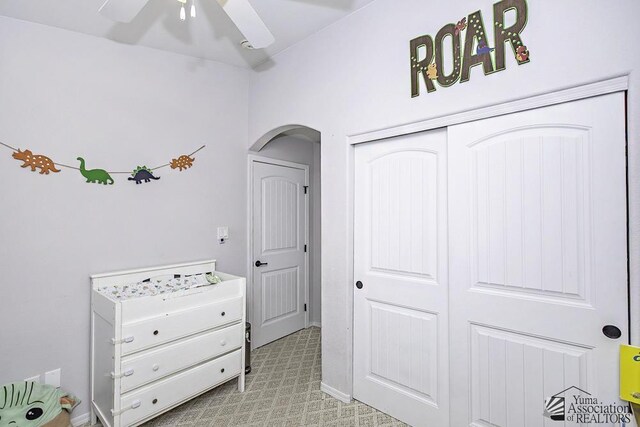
(283, 389)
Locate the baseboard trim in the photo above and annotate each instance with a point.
(80, 420)
(316, 324)
(342, 397)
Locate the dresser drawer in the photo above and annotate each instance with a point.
(138, 309)
(148, 366)
(171, 326)
(164, 394)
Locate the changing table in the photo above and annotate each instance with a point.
(161, 336)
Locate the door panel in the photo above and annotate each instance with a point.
(529, 210)
(280, 198)
(400, 328)
(279, 294)
(537, 263)
(401, 339)
(279, 233)
(513, 373)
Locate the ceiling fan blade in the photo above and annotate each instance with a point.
(248, 22)
(122, 10)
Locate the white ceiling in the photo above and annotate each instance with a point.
(211, 35)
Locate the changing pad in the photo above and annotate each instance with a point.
(158, 285)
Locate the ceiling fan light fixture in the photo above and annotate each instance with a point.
(183, 12)
(240, 12)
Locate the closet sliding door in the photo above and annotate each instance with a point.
(491, 267)
(401, 359)
(538, 261)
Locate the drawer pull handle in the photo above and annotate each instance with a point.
(222, 370)
(223, 313)
(155, 332)
(134, 405)
(155, 368)
(154, 401)
(223, 343)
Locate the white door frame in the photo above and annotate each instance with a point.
(616, 84)
(252, 158)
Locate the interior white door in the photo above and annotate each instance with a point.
(538, 260)
(400, 311)
(279, 258)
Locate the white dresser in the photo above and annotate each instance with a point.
(153, 348)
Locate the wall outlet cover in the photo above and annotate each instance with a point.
(52, 378)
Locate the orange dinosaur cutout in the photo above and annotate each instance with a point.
(34, 161)
(182, 162)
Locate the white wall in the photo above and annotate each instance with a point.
(304, 151)
(67, 95)
(353, 77)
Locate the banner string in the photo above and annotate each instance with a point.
(77, 168)
(8, 146)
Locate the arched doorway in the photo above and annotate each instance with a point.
(284, 270)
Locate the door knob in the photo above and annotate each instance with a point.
(611, 331)
(260, 264)
(359, 284)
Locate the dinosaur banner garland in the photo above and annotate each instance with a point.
(97, 176)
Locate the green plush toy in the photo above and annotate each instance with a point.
(32, 404)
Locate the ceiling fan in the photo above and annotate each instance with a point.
(241, 13)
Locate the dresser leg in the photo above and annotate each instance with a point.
(93, 417)
(241, 383)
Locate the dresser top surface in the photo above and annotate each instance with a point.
(159, 285)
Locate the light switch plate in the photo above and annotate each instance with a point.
(223, 234)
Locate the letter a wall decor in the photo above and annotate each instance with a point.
(470, 46)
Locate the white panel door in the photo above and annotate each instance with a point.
(400, 312)
(538, 260)
(279, 261)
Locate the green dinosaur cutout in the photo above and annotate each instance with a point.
(95, 175)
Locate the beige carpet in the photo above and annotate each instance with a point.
(283, 389)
